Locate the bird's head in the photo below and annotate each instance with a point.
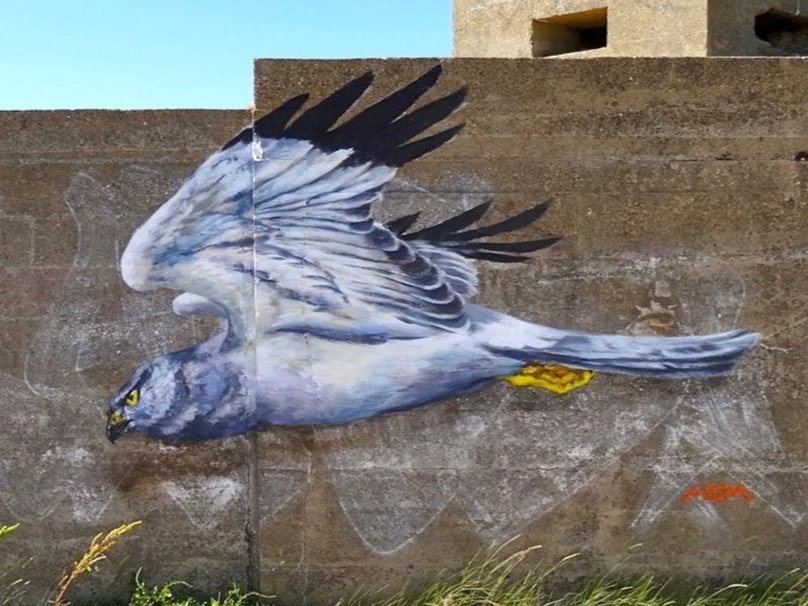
(143, 400)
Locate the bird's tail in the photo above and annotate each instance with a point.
(665, 357)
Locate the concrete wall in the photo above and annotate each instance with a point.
(680, 188)
(683, 28)
(73, 186)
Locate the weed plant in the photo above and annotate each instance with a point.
(12, 592)
(90, 559)
(163, 595)
(489, 580)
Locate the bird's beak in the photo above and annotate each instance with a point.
(116, 425)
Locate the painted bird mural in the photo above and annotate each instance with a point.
(332, 316)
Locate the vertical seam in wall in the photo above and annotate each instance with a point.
(253, 522)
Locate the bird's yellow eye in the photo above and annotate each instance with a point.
(133, 397)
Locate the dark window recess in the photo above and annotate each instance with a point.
(570, 33)
(784, 31)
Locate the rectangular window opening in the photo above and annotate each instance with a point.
(570, 33)
(784, 31)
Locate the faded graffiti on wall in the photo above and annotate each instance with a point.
(331, 316)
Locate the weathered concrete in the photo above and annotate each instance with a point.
(680, 187)
(73, 185)
(685, 28)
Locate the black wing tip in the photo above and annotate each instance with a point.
(433, 73)
(398, 143)
(496, 257)
(512, 223)
(366, 78)
(444, 230)
(469, 243)
(460, 94)
(244, 136)
(522, 246)
(318, 120)
(400, 225)
(408, 152)
(271, 124)
(426, 80)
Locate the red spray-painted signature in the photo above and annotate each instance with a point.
(716, 493)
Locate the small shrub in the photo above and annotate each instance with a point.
(163, 595)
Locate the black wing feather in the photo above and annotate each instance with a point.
(495, 257)
(272, 124)
(407, 127)
(399, 156)
(446, 229)
(513, 247)
(402, 224)
(448, 234)
(383, 113)
(318, 119)
(382, 133)
(519, 221)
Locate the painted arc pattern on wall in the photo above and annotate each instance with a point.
(615, 458)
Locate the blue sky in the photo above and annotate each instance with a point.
(127, 54)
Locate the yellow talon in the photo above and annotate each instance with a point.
(552, 377)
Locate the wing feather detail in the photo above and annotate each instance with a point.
(279, 222)
(449, 244)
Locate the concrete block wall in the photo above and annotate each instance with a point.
(682, 28)
(679, 186)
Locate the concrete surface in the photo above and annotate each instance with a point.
(73, 185)
(636, 28)
(680, 187)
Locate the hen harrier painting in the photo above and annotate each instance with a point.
(332, 316)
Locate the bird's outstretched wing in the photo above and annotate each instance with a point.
(274, 231)
(449, 245)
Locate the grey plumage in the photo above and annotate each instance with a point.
(331, 316)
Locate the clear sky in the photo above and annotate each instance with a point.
(127, 54)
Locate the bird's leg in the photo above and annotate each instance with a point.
(552, 377)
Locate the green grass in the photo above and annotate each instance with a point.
(163, 595)
(495, 582)
(491, 583)
(488, 580)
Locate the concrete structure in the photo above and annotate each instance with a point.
(629, 28)
(680, 186)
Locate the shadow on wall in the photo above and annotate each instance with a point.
(784, 31)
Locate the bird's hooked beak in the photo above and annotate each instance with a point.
(117, 425)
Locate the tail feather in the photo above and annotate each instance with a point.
(666, 357)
